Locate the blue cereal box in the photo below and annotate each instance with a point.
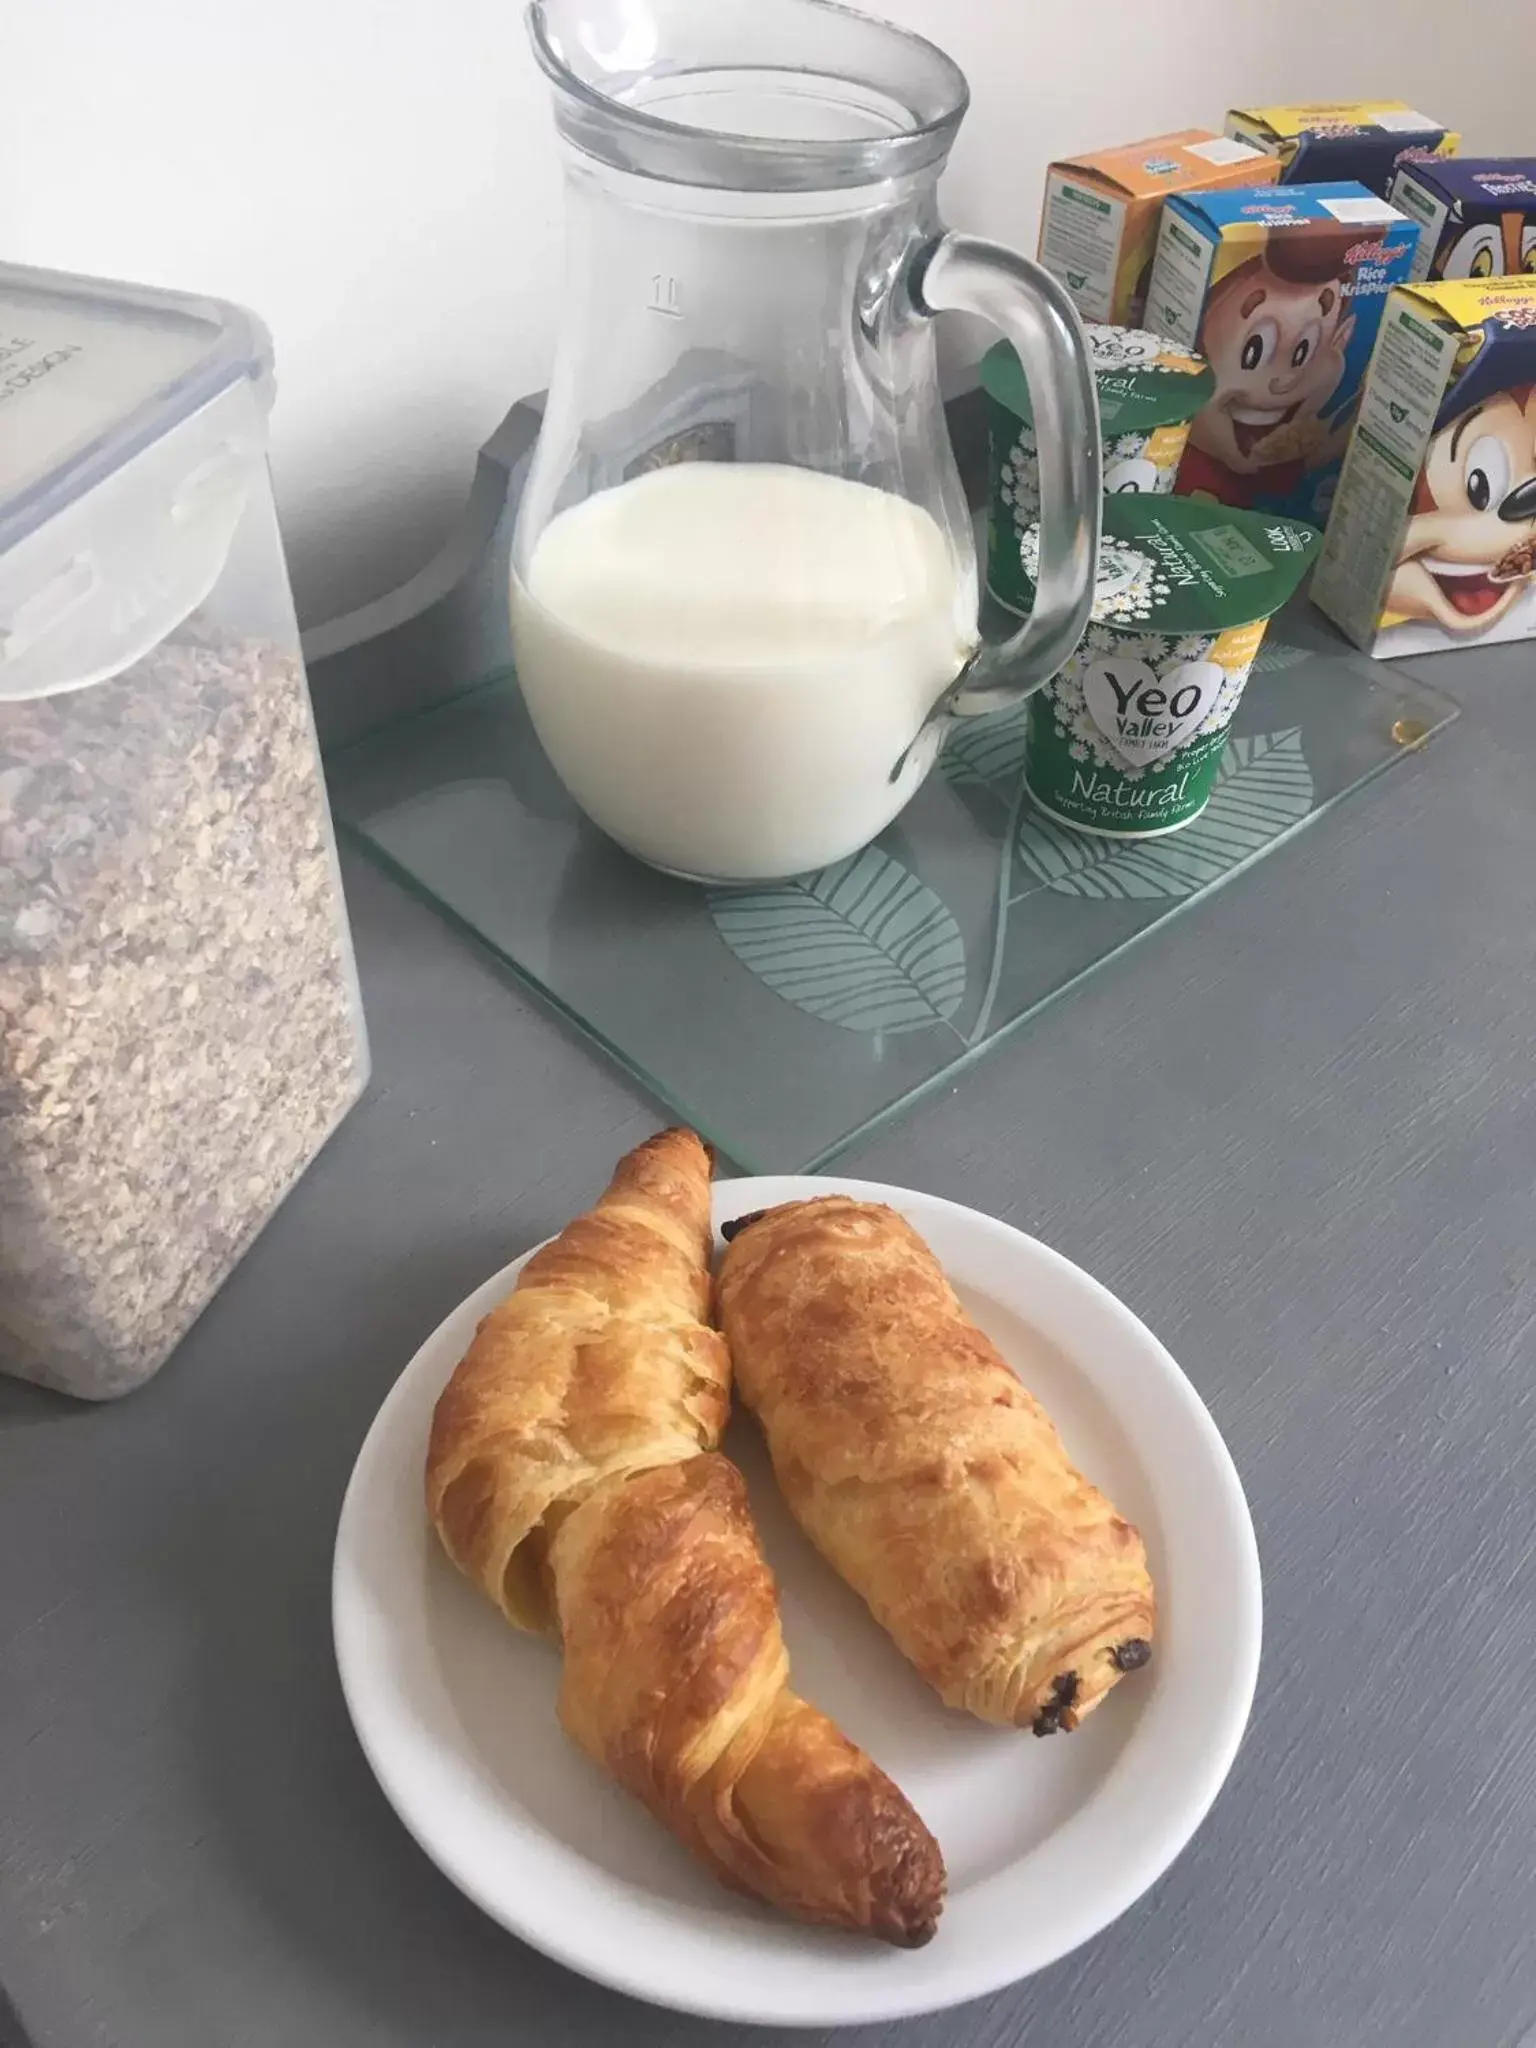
(1282, 290)
(1476, 215)
(1330, 139)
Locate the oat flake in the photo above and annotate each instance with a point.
(179, 1026)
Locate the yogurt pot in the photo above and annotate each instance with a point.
(1149, 389)
(1126, 741)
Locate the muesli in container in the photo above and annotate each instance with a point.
(180, 1028)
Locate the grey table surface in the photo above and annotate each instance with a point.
(1297, 1133)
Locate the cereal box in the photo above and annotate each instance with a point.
(1476, 215)
(1432, 544)
(1331, 139)
(1282, 292)
(1098, 225)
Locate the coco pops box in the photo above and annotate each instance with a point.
(1476, 215)
(1282, 292)
(1098, 221)
(1364, 140)
(1432, 543)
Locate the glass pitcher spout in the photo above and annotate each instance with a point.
(743, 577)
(747, 95)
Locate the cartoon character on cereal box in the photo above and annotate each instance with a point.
(1468, 553)
(1489, 248)
(1276, 332)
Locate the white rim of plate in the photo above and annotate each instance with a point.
(1111, 1850)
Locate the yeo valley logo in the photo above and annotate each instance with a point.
(1145, 716)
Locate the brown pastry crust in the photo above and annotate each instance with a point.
(927, 1475)
(599, 1362)
(565, 1477)
(676, 1682)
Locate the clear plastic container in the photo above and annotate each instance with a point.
(180, 1028)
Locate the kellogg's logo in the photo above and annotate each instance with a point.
(1366, 252)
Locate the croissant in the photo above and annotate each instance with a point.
(926, 1474)
(571, 1474)
(676, 1682)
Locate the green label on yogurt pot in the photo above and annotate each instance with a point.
(1143, 380)
(1128, 738)
(1233, 556)
(1149, 390)
(1081, 782)
(1182, 565)
(1145, 464)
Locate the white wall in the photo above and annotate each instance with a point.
(376, 178)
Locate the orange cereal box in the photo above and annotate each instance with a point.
(1099, 220)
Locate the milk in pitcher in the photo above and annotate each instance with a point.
(725, 662)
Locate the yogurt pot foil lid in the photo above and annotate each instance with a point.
(1185, 565)
(1144, 380)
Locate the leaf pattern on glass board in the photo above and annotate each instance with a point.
(980, 751)
(863, 944)
(1275, 655)
(1263, 787)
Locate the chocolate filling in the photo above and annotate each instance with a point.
(1057, 1713)
(738, 1224)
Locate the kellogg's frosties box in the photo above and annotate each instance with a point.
(1282, 291)
(1098, 222)
(1476, 215)
(1332, 139)
(1432, 543)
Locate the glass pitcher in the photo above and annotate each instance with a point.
(744, 589)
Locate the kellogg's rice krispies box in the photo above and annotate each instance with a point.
(1476, 215)
(1331, 139)
(1098, 223)
(1282, 292)
(1432, 543)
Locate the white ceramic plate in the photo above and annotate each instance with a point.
(1046, 1841)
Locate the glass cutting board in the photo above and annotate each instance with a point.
(785, 1022)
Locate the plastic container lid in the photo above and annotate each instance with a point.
(91, 371)
(107, 512)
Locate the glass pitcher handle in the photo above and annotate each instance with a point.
(960, 274)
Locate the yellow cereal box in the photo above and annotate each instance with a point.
(1432, 542)
(1098, 224)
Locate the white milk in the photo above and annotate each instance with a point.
(725, 661)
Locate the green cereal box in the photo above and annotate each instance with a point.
(1432, 542)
